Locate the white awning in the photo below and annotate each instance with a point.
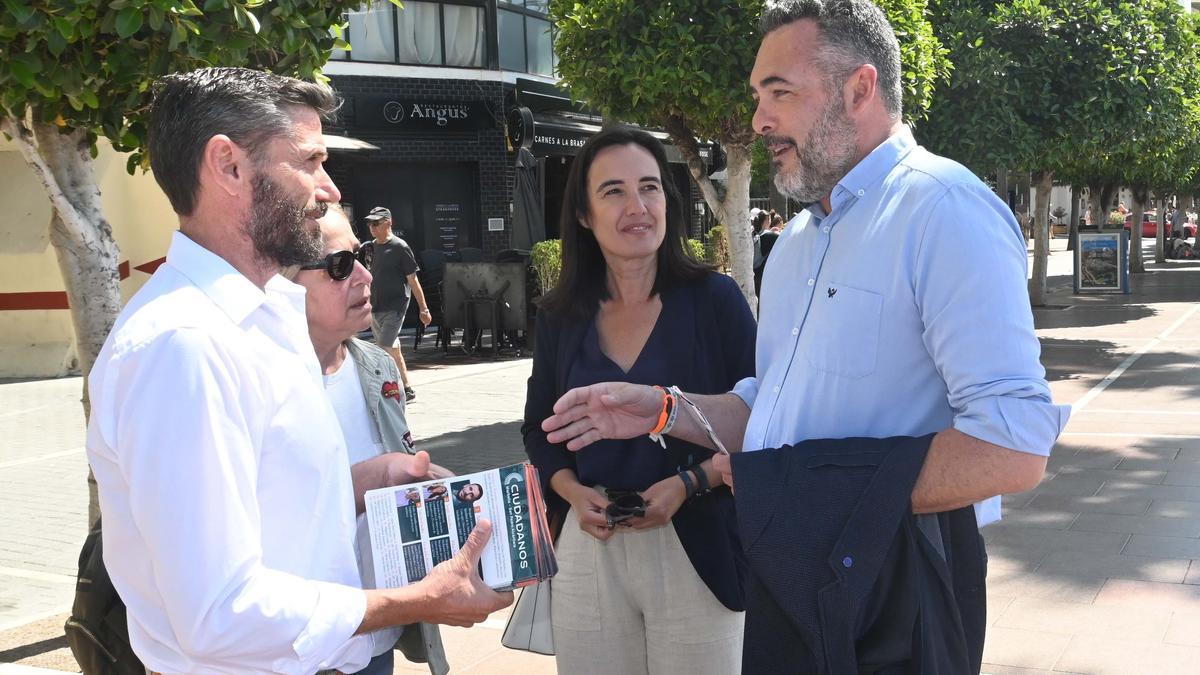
(346, 144)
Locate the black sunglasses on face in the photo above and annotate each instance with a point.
(339, 264)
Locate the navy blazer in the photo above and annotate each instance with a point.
(843, 578)
(719, 351)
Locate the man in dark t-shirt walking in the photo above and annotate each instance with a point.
(394, 272)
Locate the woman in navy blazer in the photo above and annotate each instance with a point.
(662, 592)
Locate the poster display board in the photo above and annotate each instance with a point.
(1102, 262)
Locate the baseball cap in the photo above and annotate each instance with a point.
(755, 212)
(378, 213)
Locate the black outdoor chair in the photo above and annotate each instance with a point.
(469, 255)
(515, 339)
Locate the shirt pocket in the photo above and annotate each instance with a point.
(843, 329)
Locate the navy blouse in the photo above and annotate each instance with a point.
(703, 342)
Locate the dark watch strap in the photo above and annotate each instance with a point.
(702, 479)
(688, 488)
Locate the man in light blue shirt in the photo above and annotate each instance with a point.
(894, 305)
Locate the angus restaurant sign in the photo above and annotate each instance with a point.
(414, 114)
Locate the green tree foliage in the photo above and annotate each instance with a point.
(924, 60)
(646, 62)
(546, 261)
(1056, 88)
(684, 65)
(73, 71)
(760, 170)
(87, 65)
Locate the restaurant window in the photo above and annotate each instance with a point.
(422, 33)
(526, 37)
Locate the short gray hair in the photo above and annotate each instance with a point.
(249, 106)
(853, 33)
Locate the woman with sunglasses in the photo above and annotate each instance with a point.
(650, 569)
(361, 381)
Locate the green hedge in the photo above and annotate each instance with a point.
(546, 261)
(717, 249)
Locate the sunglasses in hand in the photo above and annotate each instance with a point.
(623, 506)
(339, 265)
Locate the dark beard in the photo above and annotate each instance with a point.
(826, 158)
(276, 226)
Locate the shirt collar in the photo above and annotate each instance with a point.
(229, 289)
(870, 171)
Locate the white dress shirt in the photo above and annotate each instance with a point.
(902, 312)
(224, 480)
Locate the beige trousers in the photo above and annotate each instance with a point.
(634, 605)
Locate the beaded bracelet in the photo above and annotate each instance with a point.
(666, 418)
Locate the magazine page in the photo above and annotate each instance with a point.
(415, 527)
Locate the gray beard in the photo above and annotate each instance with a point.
(276, 227)
(825, 158)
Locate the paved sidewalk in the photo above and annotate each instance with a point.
(1095, 571)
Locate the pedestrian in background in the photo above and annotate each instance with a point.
(659, 593)
(394, 268)
(777, 223)
(764, 241)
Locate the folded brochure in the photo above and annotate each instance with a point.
(415, 527)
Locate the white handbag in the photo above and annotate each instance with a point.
(529, 628)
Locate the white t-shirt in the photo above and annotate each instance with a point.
(344, 389)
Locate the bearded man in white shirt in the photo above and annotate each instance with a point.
(225, 486)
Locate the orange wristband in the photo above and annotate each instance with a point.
(665, 414)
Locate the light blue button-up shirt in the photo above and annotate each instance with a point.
(901, 312)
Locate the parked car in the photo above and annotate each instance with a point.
(1150, 226)
(1188, 230)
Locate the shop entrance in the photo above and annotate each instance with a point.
(435, 206)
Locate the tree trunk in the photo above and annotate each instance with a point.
(734, 210)
(83, 242)
(1073, 232)
(1096, 206)
(1136, 264)
(1160, 239)
(1106, 198)
(1041, 237)
(735, 213)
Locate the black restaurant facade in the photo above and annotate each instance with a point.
(436, 143)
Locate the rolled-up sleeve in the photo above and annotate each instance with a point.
(971, 285)
(747, 390)
(192, 471)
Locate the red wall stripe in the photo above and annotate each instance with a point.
(51, 299)
(46, 300)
